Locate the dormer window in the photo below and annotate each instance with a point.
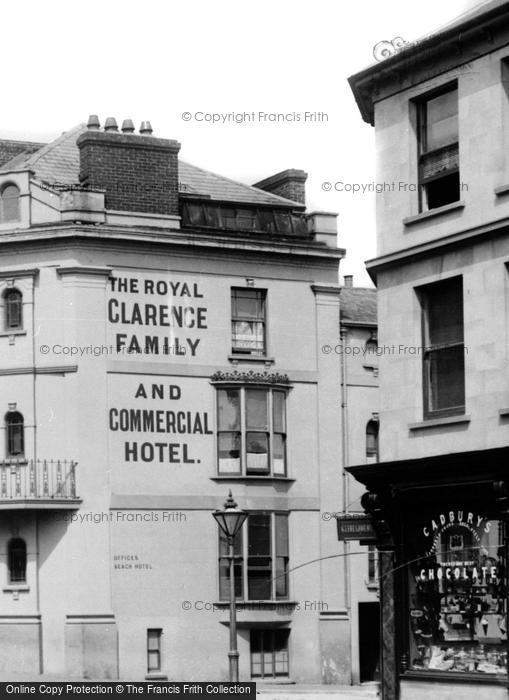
(9, 203)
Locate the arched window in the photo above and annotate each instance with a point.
(9, 204)
(372, 440)
(15, 434)
(13, 300)
(17, 560)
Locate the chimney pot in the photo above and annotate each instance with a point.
(348, 280)
(93, 122)
(146, 128)
(127, 126)
(110, 124)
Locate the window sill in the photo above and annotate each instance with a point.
(437, 422)
(499, 191)
(257, 603)
(14, 331)
(423, 216)
(12, 587)
(250, 477)
(455, 676)
(156, 677)
(235, 359)
(372, 586)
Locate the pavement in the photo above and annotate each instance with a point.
(267, 691)
(297, 691)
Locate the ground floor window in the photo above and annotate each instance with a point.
(269, 653)
(457, 585)
(154, 650)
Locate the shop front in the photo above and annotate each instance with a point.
(441, 525)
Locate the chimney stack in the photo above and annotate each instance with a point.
(348, 280)
(288, 183)
(138, 172)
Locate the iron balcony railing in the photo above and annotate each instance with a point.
(37, 480)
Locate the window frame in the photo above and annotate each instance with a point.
(429, 349)
(158, 637)
(236, 318)
(271, 633)
(10, 423)
(5, 186)
(242, 560)
(10, 557)
(423, 153)
(8, 304)
(242, 432)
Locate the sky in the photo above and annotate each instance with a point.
(177, 64)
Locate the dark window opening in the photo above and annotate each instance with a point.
(269, 653)
(13, 300)
(154, 650)
(17, 560)
(372, 440)
(444, 352)
(15, 434)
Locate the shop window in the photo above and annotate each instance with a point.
(9, 204)
(439, 178)
(261, 574)
(457, 594)
(15, 431)
(251, 434)
(13, 302)
(17, 560)
(444, 353)
(372, 441)
(248, 321)
(154, 650)
(269, 653)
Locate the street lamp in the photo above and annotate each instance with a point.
(230, 520)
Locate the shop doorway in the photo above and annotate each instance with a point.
(369, 641)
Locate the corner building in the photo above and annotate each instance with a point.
(161, 344)
(438, 496)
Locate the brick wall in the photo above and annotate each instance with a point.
(138, 173)
(290, 184)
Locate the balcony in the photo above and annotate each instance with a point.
(38, 484)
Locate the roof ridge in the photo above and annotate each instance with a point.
(243, 184)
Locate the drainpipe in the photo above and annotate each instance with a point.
(344, 442)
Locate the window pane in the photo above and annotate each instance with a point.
(10, 203)
(444, 307)
(447, 378)
(153, 661)
(15, 434)
(279, 457)
(248, 335)
(17, 561)
(259, 534)
(256, 409)
(248, 304)
(228, 409)
(228, 453)
(278, 408)
(442, 120)
(257, 449)
(457, 595)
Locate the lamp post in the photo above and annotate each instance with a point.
(230, 520)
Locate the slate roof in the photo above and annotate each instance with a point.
(358, 305)
(58, 162)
